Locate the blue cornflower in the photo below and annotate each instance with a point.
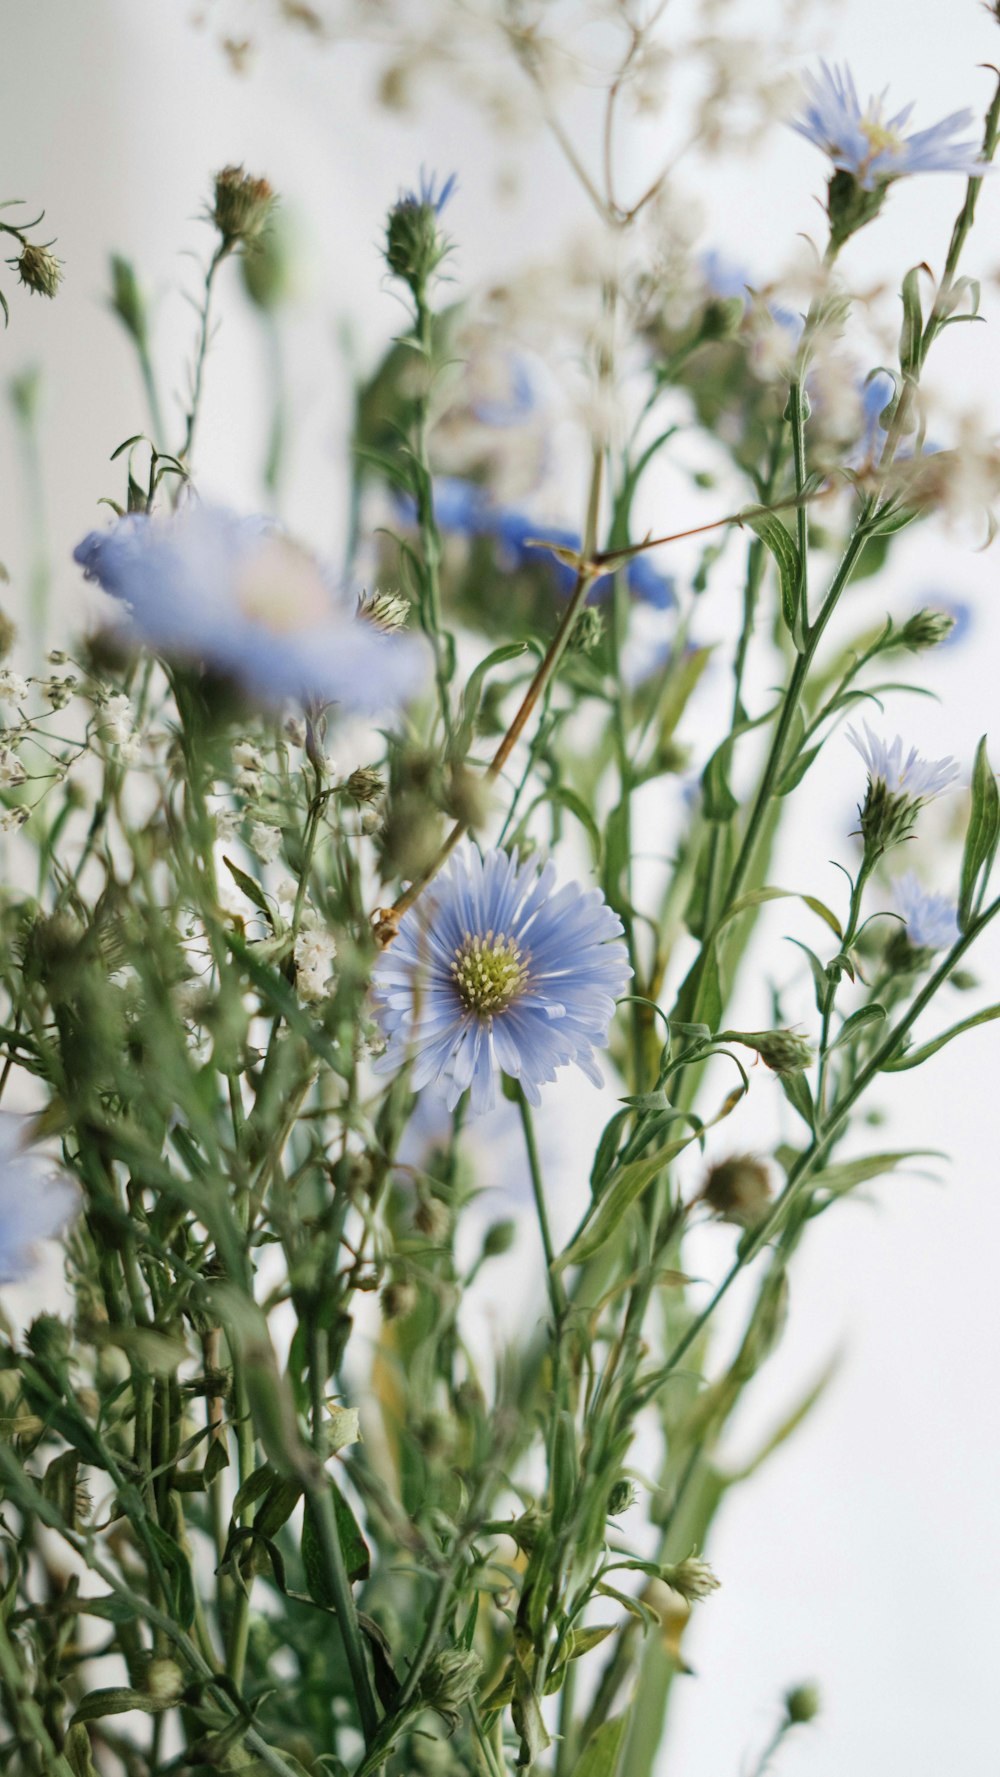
(235, 595)
(518, 402)
(931, 920)
(427, 195)
(33, 1205)
(495, 971)
(872, 147)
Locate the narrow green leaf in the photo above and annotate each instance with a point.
(357, 1558)
(249, 886)
(177, 1569)
(914, 1057)
(719, 803)
(78, 1752)
(793, 774)
(911, 333)
(865, 1015)
(568, 798)
(756, 898)
(796, 1090)
(981, 838)
(782, 546)
(625, 1188)
(602, 1754)
(117, 1700)
(845, 1174)
(472, 696)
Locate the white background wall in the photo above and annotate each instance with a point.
(866, 1555)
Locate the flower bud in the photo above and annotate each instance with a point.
(388, 611)
(433, 1219)
(365, 785)
(692, 1578)
(39, 270)
(414, 244)
(243, 206)
(926, 629)
(587, 631)
(738, 1190)
(449, 1681)
(498, 1239)
(399, 1299)
(622, 1496)
(783, 1051)
(802, 1704)
(164, 1681)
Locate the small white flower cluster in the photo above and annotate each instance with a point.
(314, 949)
(13, 689)
(118, 725)
(12, 771)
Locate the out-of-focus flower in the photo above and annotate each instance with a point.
(931, 920)
(265, 841)
(242, 207)
(957, 614)
(315, 949)
(13, 689)
(38, 269)
(862, 141)
(464, 508)
(34, 1205)
(692, 1578)
(12, 771)
(738, 1189)
(235, 595)
(414, 244)
(493, 971)
(898, 787)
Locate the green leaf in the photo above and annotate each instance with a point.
(528, 1718)
(914, 1057)
(117, 1700)
(796, 1090)
(177, 1570)
(78, 1752)
(568, 798)
(793, 774)
(254, 1488)
(785, 551)
(625, 1188)
(843, 1176)
(357, 1558)
(472, 696)
(911, 334)
(858, 1020)
(756, 898)
(980, 839)
(249, 886)
(602, 1754)
(719, 803)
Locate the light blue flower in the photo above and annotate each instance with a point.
(518, 402)
(931, 920)
(33, 1205)
(427, 195)
(869, 145)
(495, 971)
(911, 776)
(465, 509)
(235, 595)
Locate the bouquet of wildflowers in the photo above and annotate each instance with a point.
(325, 883)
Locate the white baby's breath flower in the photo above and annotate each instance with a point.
(13, 818)
(227, 823)
(265, 841)
(118, 719)
(12, 770)
(315, 949)
(247, 757)
(13, 689)
(250, 784)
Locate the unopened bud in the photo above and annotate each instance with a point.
(692, 1578)
(449, 1681)
(242, 206)
(432, 1218)
(414, 244)
(498, 1239)
(164, 1680)
(622, 1496)
(399, 1299)
(738, 1190)
(39, 270)
(802, 1703)
(365, 785)
(783, 1051)
(587, 631)
(388, 611)
(926, 629)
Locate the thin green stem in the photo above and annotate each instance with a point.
(557, 1294)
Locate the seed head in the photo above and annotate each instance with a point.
(692, 1578)
(365, 785)
(242, 206)
(39, 270)
(738, 1190)
(399, 1299)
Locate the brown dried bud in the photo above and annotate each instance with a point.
(242, 207)
(738, 1190)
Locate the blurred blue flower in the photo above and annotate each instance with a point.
(427, 194)
(495, 971)
(519, 402)
(870, 146)
(724, 277)
(237, 596)
(931, 920)
(465, 508)
(34, 1205)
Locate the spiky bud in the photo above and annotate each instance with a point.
(926, 629)
(242, 207)
(414, 243)
(783, 1051)
(39, 270)
(388, 611)
(365, 785)
(449, 1681)
(622, 1496)
(738, 1190)
(399, 1299)
(692, 1578)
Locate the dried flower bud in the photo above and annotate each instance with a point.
(783, 1051)
(692, 1578)
(399, 1299)
(365, 785)
(242, 206)
(433, 1219)
(8, 635)
(738, 1190)
(388, 611)
(39, 270)
(802, 1704)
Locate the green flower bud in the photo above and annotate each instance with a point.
(587, 631)
(388, 611)
(498, 1239)
(622, 1496)
(414, 243)
(692, 1578)
(127, 300)
(39, 270)
(399, 1299)
(802, 1703)
(783, 1051)
(449, 1681)
(926, 629)
(365, 785)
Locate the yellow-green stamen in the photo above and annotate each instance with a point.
(489, 973)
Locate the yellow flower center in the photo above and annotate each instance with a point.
(280, 587)
(489, 973)
(879, 137)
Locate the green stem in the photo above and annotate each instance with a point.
(557, 1294)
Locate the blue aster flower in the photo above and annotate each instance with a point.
(871, 147)
(427, 195)
(931, 920)
(235, 595)
(495, 971)
(518, 402)
(33, 1205)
